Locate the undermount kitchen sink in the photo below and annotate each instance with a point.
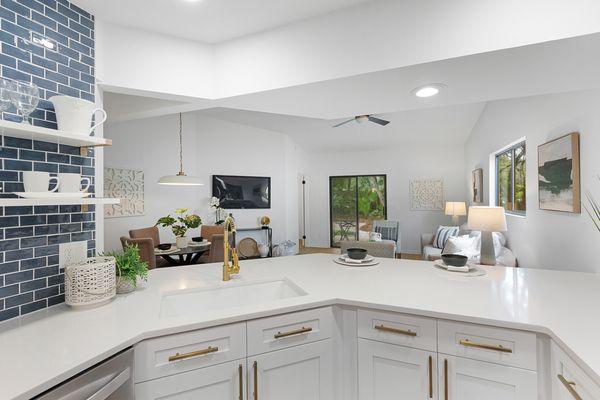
(193, 301)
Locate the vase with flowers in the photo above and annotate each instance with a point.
(220, 213)
(180, 224)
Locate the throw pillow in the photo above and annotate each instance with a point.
(442, 235)
(464, 245)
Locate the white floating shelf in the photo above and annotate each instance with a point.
(23, 131)
(57, 202)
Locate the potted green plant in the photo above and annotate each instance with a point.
(593, 209)
(129, 267)
(180, 224)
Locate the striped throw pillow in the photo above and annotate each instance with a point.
(442, 235)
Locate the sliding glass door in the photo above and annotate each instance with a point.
(354, 203)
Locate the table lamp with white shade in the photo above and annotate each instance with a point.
(456, 209)
(487, 220)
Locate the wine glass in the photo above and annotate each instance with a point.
(26, 98)
(7, 87)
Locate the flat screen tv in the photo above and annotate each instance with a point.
(236, 192)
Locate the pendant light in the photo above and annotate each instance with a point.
(181, 179)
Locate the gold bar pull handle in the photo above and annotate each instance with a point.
(196, 353)
(255, 368)
(280, 335)
(430, 377)
(468, 343)
(241, 378)
(569, 386)
(445, 379)
(405, 332)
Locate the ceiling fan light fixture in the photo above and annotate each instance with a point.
(361, 118)
(428, 90)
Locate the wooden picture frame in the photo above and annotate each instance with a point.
(477, 185)
(559, 175)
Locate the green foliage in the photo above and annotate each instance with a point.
(181, 223)
(129, 264)
(593, 209)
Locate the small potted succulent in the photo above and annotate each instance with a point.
(129, 267)
(180, 224)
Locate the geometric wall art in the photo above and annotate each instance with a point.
(426, 194)
(558, 174)
(127, 185)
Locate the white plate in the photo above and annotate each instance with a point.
(199, 244)
(340, 260)
(159, 252)
(52, 195)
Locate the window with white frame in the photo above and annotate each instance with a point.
(510, 178)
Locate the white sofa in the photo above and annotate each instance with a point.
(431, 253)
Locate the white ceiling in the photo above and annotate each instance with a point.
(210, 21)
(435, 126)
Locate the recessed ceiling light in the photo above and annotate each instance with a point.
(428, 90)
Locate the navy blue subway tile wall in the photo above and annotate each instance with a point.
(30, 276)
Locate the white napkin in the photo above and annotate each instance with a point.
(351, 261)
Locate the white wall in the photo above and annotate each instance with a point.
(544, 239)
(400, 164)
(211, 146)
(153, 62)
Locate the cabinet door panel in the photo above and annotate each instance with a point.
(220, 382)
(466, 379)
(297, 373)
(387, 371)
(568, 380)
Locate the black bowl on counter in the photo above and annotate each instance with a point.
(164, 246)
(198, 239)
(356, 254)
(454, 260)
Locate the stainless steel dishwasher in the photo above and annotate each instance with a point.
(111, 379)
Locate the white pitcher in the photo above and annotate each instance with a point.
(75, 115)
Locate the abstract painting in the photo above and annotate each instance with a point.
(558, 174)
(127, 185)
(477, 185)
(426, 195)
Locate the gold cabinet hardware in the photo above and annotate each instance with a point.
(255, 368)
(445, 379)
(569, 386)
(384, 328)
(241, 378)
(430, 377)
(196, 353)
(280, 335)
(468, 343)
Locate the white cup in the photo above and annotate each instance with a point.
(36, 181)
(71, 183)
(75, 115)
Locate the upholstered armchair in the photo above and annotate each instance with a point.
(146, 248)
(151, 232)
(215, 254)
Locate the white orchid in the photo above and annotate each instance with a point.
(215, 204)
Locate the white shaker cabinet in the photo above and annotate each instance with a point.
(391, 372)
(569, 382)
(467, 379)
(219, 382)
(297, 373)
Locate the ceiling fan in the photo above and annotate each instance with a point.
(362, 118)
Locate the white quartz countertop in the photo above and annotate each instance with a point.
(42, 350)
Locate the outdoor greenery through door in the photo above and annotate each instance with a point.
(354, 203)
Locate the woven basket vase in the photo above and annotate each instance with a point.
(90, 282)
